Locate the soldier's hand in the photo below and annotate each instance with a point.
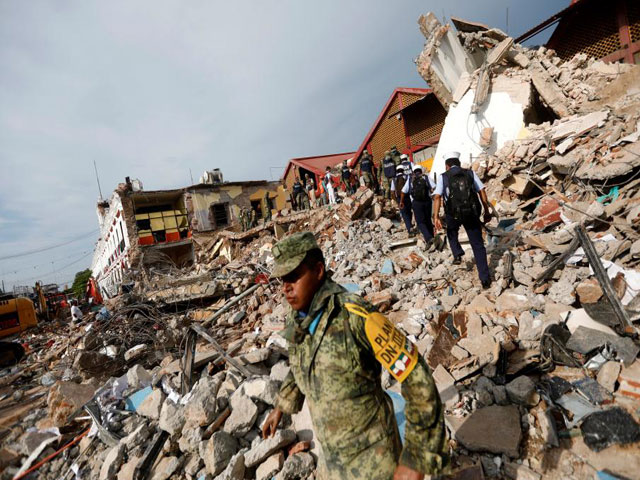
(401, 205)
(437, 224)
(487, 216)
(405, 473)
(271, 423)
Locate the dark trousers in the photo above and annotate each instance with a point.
(406, 214)
(422, 212)
(474, 232)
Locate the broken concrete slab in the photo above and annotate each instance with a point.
(445, 384)
(265, 447)
(478, 431)
(270, 467)
(522, 390)
(65, 398)
(151, 406)
(300, 465)
(585, 340)
(608, 375)
(220, 448)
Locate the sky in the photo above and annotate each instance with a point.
(164, 89)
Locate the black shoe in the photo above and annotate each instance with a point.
(486, 284)
(457, 260)
(429, 245)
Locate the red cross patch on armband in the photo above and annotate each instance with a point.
(391, 348)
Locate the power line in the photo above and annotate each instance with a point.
(50, 247)
(54, 272)
(75, 255)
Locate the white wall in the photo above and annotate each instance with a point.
(108, 274)
(462, 129)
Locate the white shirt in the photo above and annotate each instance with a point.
(408, 184)
(76, 313)
(477, 185)
(328, 180)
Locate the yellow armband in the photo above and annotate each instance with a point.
(391, 348)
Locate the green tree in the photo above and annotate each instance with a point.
(79, 286)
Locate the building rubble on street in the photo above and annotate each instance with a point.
(539, 373)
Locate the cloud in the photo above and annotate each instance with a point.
(155, 88)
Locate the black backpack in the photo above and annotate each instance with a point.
(462, 203)
(389, 167)
(420, 189)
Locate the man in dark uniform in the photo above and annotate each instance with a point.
(338, 344)
(460, 189)
(406, 210)
(419, 188)
(346, 178)
(386, 174)
(300, 195)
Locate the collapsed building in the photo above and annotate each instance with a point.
(539, 374)
(149, 227)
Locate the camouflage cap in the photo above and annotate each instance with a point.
(289, 253)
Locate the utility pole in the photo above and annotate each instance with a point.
(507, 20)
(97, 179)
(191, 175)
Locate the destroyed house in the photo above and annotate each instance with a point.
(315, 167)
(604, 30)
(156, 227)
(411, 120)
(486, 109)
(213, 207)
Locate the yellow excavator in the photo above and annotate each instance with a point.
(16, 315)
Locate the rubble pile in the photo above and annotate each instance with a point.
(539, 374)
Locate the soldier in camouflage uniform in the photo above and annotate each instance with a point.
(268, 206)
(366, 170)
(243, 219)
(395, 155)
(338, 345)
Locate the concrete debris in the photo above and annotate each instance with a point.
(478, 433)
(557, 146)
(218, 452)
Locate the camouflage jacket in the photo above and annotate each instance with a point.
(338, 371)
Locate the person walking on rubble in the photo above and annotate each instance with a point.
(366, 170)
(395, 155)
(460, 189)
(76, 313)
(310, 186)
(406, 210)
(418, 188)
(268, 206)
(338, 345)
(299, 194)
(386, 175)
(346, 178)
(242, 219)
(328, 181)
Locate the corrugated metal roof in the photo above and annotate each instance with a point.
(318, 164)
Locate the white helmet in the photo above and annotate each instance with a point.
(449, 155)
